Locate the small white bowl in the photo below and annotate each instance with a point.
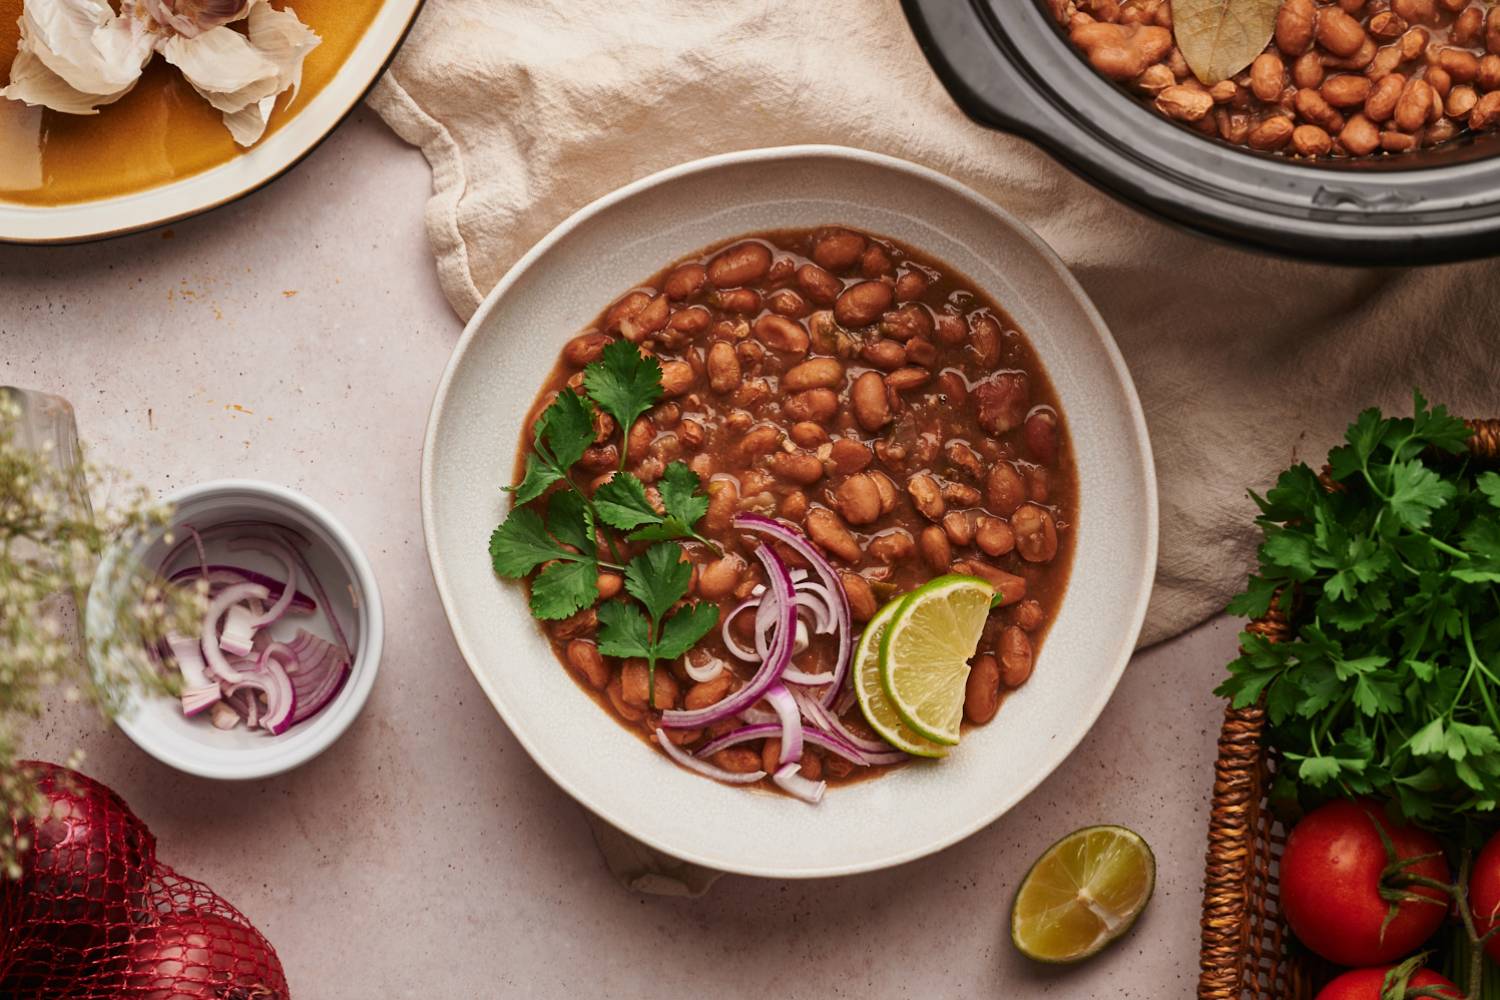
(156, 723)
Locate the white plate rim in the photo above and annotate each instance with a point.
(266, 162)
(1138, 427)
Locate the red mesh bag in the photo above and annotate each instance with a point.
(95, 916)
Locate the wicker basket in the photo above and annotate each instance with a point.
(1247, 952)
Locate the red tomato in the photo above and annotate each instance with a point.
(1364, 984)
(1330, 885)
(1484, 893)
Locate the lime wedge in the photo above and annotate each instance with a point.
(877, 708)
(1083, 894)
(924, 655)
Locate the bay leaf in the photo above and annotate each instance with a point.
(1218, 38)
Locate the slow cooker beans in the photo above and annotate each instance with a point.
(1342, 78)
(866, 394)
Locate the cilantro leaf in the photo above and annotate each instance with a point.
(564, 432)
(682, 631)
(564, 588)
(623, 630)
(623, 384)
(570, 521)
(658, 578)
(680, 494)
(622, 503)
(541, 473)
(522, 544)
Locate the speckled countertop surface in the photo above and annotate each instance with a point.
(297, 337)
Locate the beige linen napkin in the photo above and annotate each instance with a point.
(529, 109)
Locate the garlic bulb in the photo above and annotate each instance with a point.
(76, 55)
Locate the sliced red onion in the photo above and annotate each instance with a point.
(209, 640)
(824, 718)
(221, 576)
(730, 642)
(224, 716)
(782, 703)
(270, 677)
(319, 675)
(806, 789)
(830, 579)
(237, 637)
(794, 676)
(817, 737)
(288, 573)
(187, 654)
(770, 668)
(196, 699)
(756, 716)
(709, 671)
(704, 768)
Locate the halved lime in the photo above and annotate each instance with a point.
(1082, 894)
(877, 708)
(924, 655)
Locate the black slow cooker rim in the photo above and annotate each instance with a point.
(1008, 66)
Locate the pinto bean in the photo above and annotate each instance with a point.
(887, 355)
(911, 285)
(959, 527)
(862, 304)
(623, 708)
(1295, 23)
(723, 500)
(1268, 76)
(984, 339)
(636, 680)
(692, 320)
(927, 496)
(936, 551)
(584, 658)
(761, 440)
(1413, 105)
(1360, 137)
(849, 456)
(818, 285)
(1029, 615)
(827, 529)
(1041, 435)
(794, 506)
(875, 262)
(745, 301)
(706, 693)
(838, 249)
(818, 405)
(627, 306)
(1004, 488)
(1036, 533)
(723, 367)
(677, 377)
(798, 467)
(1002, 401)
(781, 334)
(1271, 134)
(994, 536)
(737, 760)
(1121, 52)
(817, 373)
(808, 434)
(719, 578)
(585, 348)
(954, 388)
(921, 351)
(961, 494)
(684, 281)
(600, 457)
(858, 498)
(862, 604)
(742, 264)
(785, 302)
(868, 401)
(609, 585)
(1010, 589)
(907, 379)
(1381, 104)
(893, 546)
(911, 320)
(1338, 32)
(1015, 657)
(982, 690)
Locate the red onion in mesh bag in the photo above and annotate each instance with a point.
(202, 957)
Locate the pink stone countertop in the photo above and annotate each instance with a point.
(297, 336)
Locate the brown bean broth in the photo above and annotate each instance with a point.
(929, 413)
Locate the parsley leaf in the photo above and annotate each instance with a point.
(1390, 685)
(623, 384)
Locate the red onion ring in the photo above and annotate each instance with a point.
(288, 573)
(702, 675)
(806, 789)
(770, 668)
(209, 639)
(704, 768)
(785, 707)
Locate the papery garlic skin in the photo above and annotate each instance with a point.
(76, 55)
(190, 18)
(242, 74)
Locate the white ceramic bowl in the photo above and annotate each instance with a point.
(606, 249)
(256, 167)
(157, 724)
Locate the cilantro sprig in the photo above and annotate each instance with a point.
(557, 528)
(1391, 685)
(658, 579)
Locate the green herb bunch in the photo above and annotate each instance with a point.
(573, 536)
(1391, 578)
(51, 541)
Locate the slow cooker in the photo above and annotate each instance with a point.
(1009, 66)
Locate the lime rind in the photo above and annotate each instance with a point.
(1085, 892)
(925, 653)
(873, 702)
